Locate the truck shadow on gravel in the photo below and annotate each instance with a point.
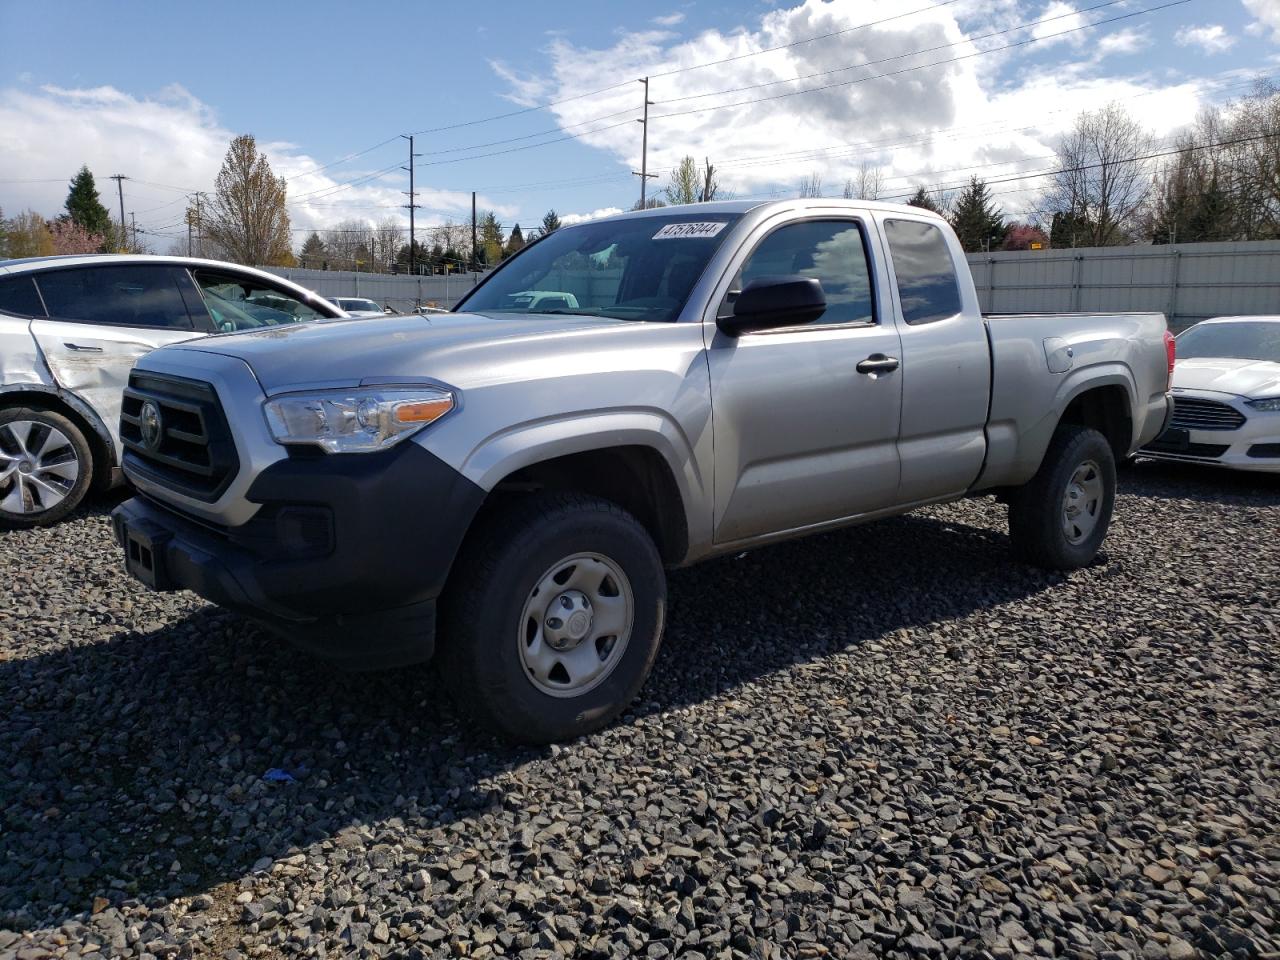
(134, 767)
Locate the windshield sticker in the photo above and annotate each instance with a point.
(706, 228)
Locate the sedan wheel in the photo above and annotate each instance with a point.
(45, 467)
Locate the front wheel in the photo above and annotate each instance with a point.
(1059, 519)
(45, 467)
(553, 619)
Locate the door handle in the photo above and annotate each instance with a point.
(82, 349)
(878, 363)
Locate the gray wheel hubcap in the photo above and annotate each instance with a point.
(1082, 502)
(38, 467)
(575, 625)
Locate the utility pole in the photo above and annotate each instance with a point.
(474, 251)
(644, 174)
(199, 227)
(120, 178)
(190, 222)
(413, 246)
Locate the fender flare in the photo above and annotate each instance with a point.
(525, 444)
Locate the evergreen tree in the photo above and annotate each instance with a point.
(1069, 229)
(1212, 215)
(490, 238)
(515, 242)
(84, 205)
(924, 201)
(978, 224)
(313, 251)
(550, 222)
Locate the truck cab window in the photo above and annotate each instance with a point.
(831, 251)
(924, 269)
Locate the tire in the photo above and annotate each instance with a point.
(553, 617)
(46, 467)
(1060, 518)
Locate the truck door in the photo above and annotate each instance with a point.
(801, 436)
(102, 319)
(946, 362)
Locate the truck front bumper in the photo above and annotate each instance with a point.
(346, 555)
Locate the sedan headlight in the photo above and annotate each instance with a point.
(1269, 404)
(355, 421)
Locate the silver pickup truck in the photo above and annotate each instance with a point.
(687, 382)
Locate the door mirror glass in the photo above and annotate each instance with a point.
(770, 302)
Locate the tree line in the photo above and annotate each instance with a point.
(1113, 183)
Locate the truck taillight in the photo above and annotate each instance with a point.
(1171, 351)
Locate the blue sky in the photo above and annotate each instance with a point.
(154, 91)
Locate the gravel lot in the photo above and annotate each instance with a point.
(886, 742)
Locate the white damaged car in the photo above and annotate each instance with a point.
(1226, 396)
(71, 328)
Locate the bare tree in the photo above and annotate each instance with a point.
(866, 182)
(388, 238)
(349, 245)
(710, 183)
(811, 185)
(247, 217)
(1102, 183)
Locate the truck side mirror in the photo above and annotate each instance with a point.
(767, 303)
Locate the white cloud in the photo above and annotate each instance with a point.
(569, 219)
(1061, 17)
(993, 116)
(1123, 42)
(669, 19)
(170, 143)
(1211, 38)
(1267, 14)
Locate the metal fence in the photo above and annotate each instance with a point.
(397, 291)
(1187, 282)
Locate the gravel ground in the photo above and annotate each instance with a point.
(886, 742)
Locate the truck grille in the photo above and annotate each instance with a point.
(175, 434)
(1192, 413)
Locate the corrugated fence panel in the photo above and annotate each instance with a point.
(1188, 282)
(397, 291)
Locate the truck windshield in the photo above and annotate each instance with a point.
(637, 269)
(1257, 340)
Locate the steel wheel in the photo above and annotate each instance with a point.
(575, 625)
(1082, 502)
(39, 467)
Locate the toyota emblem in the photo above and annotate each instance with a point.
(149, 425)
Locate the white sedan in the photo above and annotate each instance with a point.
(358, 306)
(1226, 396)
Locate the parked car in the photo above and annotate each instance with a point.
(1226, 396)
(733, 374)
(70, 329)
(359, 307)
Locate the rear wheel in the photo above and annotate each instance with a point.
(554, 617)
(1060, 518)
(46, 467)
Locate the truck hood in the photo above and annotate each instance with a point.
(1243, 378)
(382, 349)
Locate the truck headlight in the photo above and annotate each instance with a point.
(355, 421)
(1269, 404)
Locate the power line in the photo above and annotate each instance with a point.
(903, 56)
(796, 43)
(923, 66)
